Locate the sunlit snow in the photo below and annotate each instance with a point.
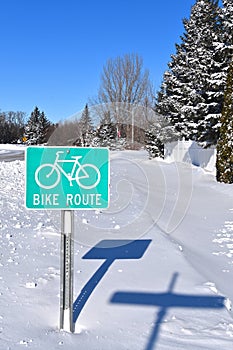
(163, 281)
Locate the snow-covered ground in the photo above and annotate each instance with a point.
(171, 288)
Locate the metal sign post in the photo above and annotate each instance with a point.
(67, 270)
(67, 178)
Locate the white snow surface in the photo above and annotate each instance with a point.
(6, 148)
(154, 296)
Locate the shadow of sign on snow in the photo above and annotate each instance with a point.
(165, 301)
(109, 250)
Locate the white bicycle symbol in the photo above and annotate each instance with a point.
(48, 175)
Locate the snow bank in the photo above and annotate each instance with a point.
(191, 152)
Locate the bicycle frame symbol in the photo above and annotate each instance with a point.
(87, 176)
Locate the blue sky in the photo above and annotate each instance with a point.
(53, 51)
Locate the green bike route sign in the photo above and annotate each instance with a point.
(67, 178)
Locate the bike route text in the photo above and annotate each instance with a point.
(89, 199)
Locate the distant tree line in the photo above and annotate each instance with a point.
(14, 128)
(11, 126)
(87, 130)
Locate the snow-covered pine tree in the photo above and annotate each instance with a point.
(106, 132)
(44, 125)
(224, 162)
(191, 94)
(154, 146)
(32, 128)
(176, 96)
(36, 128)
(106, 135)
(159, 133)
(226, 16)
(226, 48)
(86, 129)
(217, 80)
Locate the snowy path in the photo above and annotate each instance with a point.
(207, 243)
(154, 296)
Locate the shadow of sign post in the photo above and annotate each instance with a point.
(165, 301)
(109, 250)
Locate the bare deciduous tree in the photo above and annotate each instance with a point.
(124, 80)
(125, 95)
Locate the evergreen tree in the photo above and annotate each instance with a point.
(86, 129)
(44, 126)
(36, 128)
(227, 22)
(224, 163)
(86, 124)
(159, 133)
(32, 128)
(106, 132)
(107, 135)
(154, 146)
(192, 91)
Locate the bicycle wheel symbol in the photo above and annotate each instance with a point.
(47, 176)
(87, 176)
